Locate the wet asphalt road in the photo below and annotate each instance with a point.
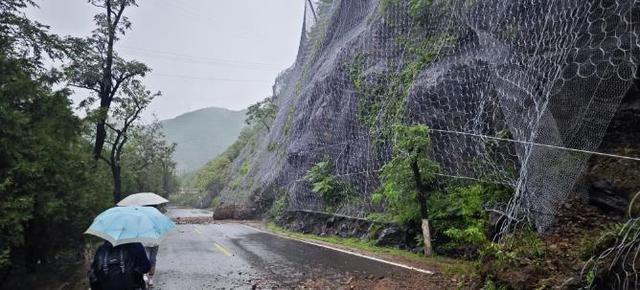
(235, 256)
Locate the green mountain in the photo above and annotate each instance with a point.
(202, 134)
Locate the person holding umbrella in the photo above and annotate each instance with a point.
(119, 267)
(153, 200)
(121, 261)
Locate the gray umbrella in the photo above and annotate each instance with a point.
(142, 199)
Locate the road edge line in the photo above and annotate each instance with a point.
(423, 271)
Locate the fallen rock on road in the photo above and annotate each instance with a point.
(193, 220)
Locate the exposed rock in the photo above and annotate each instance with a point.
(327, 225)
(232, 211)
(609, 183)
(495, 222)
(224, 212)
(391, 236)
(608, 198)
(193, 220)
(571, 283)
(417, 250)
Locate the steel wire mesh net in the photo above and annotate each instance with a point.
(516, 92)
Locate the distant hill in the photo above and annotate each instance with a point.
(202, 134)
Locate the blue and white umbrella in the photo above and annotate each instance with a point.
(131, 224)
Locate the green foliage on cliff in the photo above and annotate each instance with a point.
(263, 113)
(459, 214)
(215, 202)
(515, 248)
(216, 173)
(324, 182)
(322, 178)
(382, 96)
(279, 206)
(399, 188)
(418, 9)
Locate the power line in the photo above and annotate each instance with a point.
(212, 78)
(208, 63)
(197, 58)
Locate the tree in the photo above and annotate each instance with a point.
(26, 39)
(263, 112)
(409, 178)
(97, 67)
(47, 192)
(132, 100)
(148, 160)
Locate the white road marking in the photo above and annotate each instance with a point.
(408, 267)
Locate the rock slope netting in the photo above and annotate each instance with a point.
(516, 92)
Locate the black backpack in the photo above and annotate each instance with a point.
(114, 271)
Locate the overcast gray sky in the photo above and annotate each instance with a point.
(223, 53)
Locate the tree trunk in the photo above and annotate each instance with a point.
(107, 85)
(101, 130)
(30, 256)
(423, 191)
(165, 181)
(266, 125)
(117, 184)
(426, 234)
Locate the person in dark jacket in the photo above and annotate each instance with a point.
(121, 267)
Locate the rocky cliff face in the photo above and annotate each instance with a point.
(515, 92)
(611, 183)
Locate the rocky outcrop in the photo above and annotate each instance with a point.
(323, 224)
(608, 198)
(234, 211)
(390, 236)
(610, 183)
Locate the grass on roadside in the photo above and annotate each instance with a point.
(438, 263)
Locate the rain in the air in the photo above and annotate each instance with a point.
(319, 144)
